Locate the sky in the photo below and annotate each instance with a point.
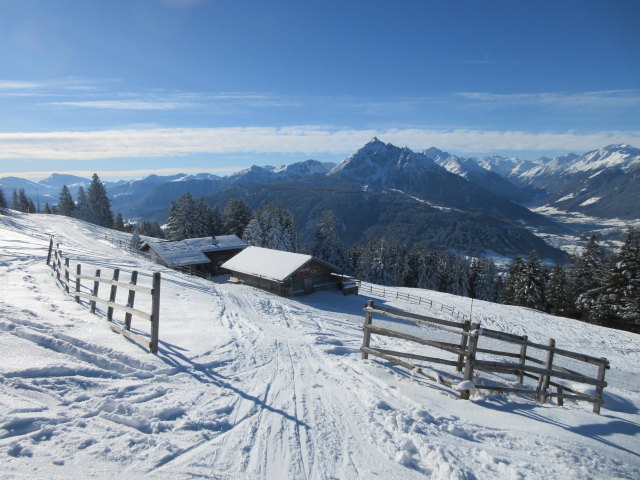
(128, 88)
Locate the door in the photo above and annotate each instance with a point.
(308, 285)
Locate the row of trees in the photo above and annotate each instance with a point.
(19, 202)
(597, 287)
(92, 206)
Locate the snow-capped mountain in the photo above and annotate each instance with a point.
(470, 169)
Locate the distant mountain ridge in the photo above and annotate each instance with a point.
(419, 195)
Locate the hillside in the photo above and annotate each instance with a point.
(250, 385)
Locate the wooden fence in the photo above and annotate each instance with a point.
(70, 281)
(463, 355)
(392, 293)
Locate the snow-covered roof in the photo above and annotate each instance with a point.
(272, 264)
(192, 251)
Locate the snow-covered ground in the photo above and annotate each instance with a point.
(250, 385)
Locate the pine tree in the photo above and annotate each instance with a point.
(99, 211)
(272, 227)
(81, 209)
(533, 283)
(203, 220)
(182, 221)
(217, 224)
(136, 241)
(482, 280)
(513, 289)
(47, 209)
(118, 223)
(328, 246)
(588, 274)
(3, 201)
(15, 202)
(558, 295)
(66, 205)
(623, 286)
(236, 217)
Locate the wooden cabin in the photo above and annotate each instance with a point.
(200, 256)
(284, 273)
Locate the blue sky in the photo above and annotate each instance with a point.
(125, 88)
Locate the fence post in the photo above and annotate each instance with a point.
(543, 383)
(602, 368)
(560, 398)
(112, 295)
(468, 367)
(66, 274)
(368, 319)
(96, 286)
(58, 263)
(155, 313)
(523, 358)
(50, 249)
(130, 300)
(466, 327)
(78, 273)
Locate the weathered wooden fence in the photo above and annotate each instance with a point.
(426, 302)
(70, 281)
(464, 353)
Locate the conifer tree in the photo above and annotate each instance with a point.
(182, 221)
(47, 209)
(99, 207)
(203, 220)
(533, 283)
(15, 202)
(619, 304)
(557, 293)
(513, 291)
(3, 201)
(217, 225)
(118, 223)
(136, 241)
(328, 246)
(236, 217)
(81, 210)
(66, 205)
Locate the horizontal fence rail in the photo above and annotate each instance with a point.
(520, 363)
(63, 273)
(390, 293)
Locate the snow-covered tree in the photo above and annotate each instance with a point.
(99, 207)
(533, 283)
(559, 299)
(272, 227)
(482, 279)
(136, 241)
(236, 217)
(617, 303)
(328, 245)
(182, 220)
(513, 289)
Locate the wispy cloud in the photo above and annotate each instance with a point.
(604, 98)
(177, 101)
(125, 174)
(163, 142)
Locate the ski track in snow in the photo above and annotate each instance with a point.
(251, 385)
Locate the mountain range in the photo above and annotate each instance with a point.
(471, 204)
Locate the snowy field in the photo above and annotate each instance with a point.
(248, 385)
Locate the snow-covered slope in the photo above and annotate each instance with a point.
(250, 385)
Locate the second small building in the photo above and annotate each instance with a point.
(284, 273)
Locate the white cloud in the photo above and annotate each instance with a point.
(604, 98)
(161, 142)
(124, 104)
